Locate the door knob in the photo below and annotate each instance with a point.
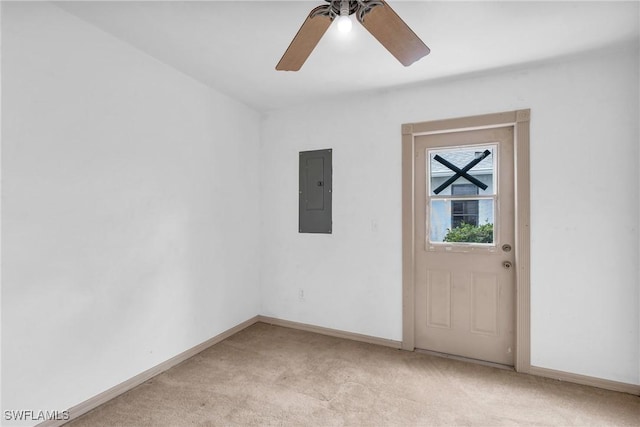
(506, 248)
(506, 264)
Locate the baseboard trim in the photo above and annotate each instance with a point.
(330, 332)
(94, 402)
(585, 380)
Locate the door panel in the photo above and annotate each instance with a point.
(484, 304)
(438, 299)
(464, 214)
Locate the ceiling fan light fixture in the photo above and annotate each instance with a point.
(376, 16)
(344, 24)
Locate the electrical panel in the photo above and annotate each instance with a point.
(315, 190)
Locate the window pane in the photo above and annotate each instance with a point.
(447, 175)
(465, 221)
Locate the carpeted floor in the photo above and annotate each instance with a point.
(269, 375)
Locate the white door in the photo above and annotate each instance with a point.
(464, 213)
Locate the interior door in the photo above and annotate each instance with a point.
(464, 213)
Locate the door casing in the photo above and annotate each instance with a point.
(519, 120)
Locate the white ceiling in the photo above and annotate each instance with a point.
(233, 46)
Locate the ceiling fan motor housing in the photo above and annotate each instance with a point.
(359, 7)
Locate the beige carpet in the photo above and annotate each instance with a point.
(268, 375)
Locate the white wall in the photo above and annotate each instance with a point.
(130, 200)
(585, 215)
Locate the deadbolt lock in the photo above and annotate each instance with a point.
(506, 248)
(506, 264)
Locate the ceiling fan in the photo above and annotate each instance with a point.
(374, 15)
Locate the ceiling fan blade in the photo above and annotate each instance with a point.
(305, 40)
(394, 34)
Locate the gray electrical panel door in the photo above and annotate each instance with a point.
(314, 210)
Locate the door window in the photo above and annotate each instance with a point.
(461, 198)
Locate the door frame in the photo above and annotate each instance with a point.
(519, 120)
